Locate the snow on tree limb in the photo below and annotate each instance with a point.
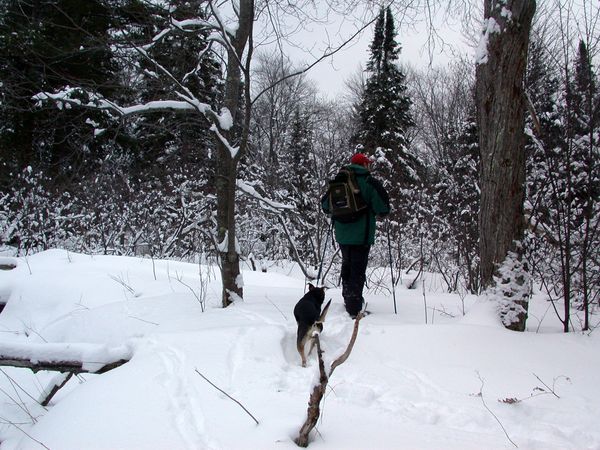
(68, 97)
(249, 190)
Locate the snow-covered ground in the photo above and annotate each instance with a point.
(457, 382)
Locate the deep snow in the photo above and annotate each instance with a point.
(447, 384)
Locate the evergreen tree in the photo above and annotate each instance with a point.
(376, 47)
(586, 177)
(303, 187)
(457, 199)
(176, 140)
(385, 117)
(563, 179)
(46, 46)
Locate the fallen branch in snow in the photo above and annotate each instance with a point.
(74, 358)
(227, 395)
(537, 391)
(56, 385)
(480, 395)
(551, 389)
(74, 367)
(318, 392)
(23, 431)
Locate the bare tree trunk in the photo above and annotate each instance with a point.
(501, 115)
(229, 155)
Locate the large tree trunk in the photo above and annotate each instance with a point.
(501, 115)
(229, 151)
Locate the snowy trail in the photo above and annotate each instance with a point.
(187, 412)
(406, 386)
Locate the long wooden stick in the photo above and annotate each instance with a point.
(313, 412)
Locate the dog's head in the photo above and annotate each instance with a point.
(318, 293)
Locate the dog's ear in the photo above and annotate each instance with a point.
(310, 287)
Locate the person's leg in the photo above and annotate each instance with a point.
(360, 261)
(346, 272)
(354, 266)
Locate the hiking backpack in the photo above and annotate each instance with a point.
(346, 203)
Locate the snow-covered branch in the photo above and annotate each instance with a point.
(270, 204)
(75, 358)
(73, 97)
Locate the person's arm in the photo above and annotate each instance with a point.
(325, 203)
(380, 201)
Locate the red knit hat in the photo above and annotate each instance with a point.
(361, 159)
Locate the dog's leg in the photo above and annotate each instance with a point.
(300, 347)
(316, 328)
(301, 342)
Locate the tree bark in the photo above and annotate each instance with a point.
(501, 115)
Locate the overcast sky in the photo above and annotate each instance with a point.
(331, 73)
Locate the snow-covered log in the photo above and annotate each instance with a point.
(74, 358)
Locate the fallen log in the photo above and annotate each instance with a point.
(73, 358)
(74, 367)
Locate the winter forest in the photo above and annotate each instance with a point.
(165, 129)
(146, 142)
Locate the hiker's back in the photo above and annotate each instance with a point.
(346, 202)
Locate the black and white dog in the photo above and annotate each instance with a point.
(309, 317)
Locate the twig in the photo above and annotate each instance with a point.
(198, 298)
(142, 320)
(276, 307)
(23, 431)
(123, 283)
(28, 266)
(425, 301)
(548, 387)
(542, 319)
(20, 405)
(226, 394)
(12, 381)
(490, 411)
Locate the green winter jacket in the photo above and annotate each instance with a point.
(362, 232)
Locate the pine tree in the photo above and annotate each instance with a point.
(178, 141)
(376, 47)
(47, 46)
(563, 180)
(303, 187)
(457, 198)
(586, 176)
(384, 113)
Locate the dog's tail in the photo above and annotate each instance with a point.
(323, 314)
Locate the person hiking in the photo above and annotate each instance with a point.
(356, 233)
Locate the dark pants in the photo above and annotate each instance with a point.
(354, 267)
